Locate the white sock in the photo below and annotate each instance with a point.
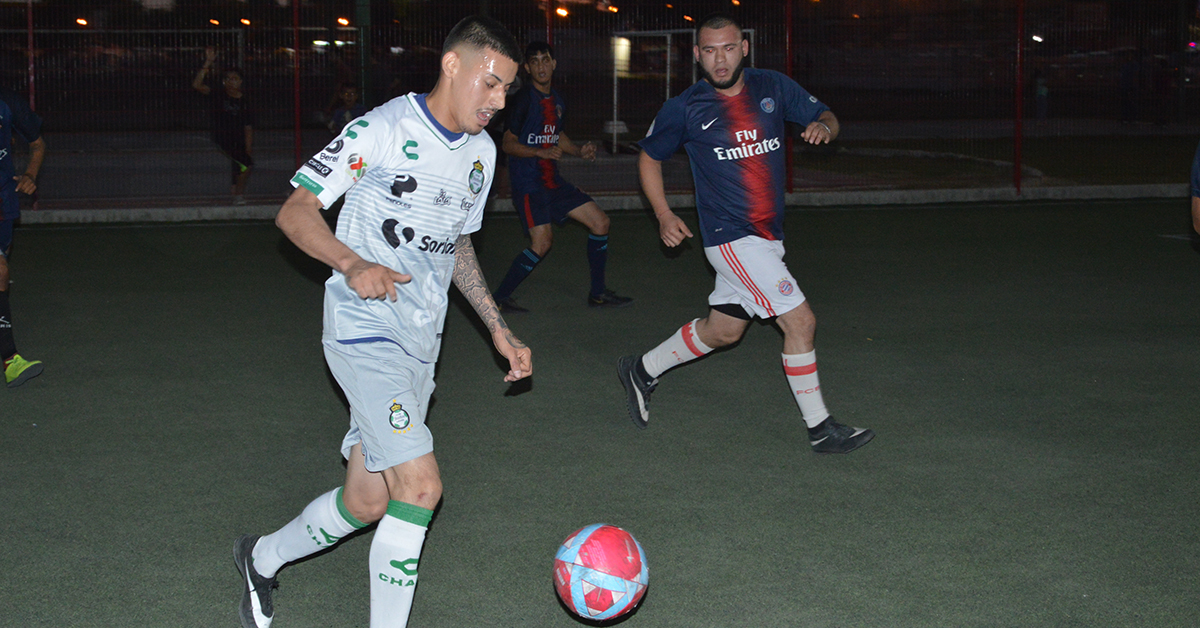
(395, 553)
(683, 346)
(801, 371)
(322, 524)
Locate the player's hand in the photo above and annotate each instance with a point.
(817, 133)
(25, 184)
(672, 229)
(520, 358)
(373, 281)
(550, 152)
(588, 151)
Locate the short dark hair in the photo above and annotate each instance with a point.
(535, 47)
(481, 32)
(716, 21)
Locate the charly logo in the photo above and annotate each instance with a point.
(403, 183)
(389, 233)
(407, 567)
(413, 155)
(350, 129)
(318, 167)
(767, 104)
(475, 180)
(785, 287)
(398, 418)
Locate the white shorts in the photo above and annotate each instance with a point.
(389, 393)
(751, 273)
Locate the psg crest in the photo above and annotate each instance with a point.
(767, 104)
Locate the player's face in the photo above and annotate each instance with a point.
(541, 69)
(721, 53)
(480, 82)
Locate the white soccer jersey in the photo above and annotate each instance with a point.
(412, 188)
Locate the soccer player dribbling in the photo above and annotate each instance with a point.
(416, 173)
(732, 126)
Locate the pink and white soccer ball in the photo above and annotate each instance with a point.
(600, 572)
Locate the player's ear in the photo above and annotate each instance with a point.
(745, 47)
(696, 53)
(451, 62)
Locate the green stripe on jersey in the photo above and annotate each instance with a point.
(308, 184)
(410, 513)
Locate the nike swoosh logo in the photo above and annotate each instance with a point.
(704, 127)
(255, 607)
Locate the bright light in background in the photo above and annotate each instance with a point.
(612, 9)
(343, 21)
(855, 16)
(561, 12)
(736, 3)
(82, 22)
(1191, 44)
(1038, 38)
(688, 18)
(621, 47)
(215, 22)
(320, 42)
(245, 22)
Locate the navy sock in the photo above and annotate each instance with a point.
(522, 265)
(597, 253)
(8, 346)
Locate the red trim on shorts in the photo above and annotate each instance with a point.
(792, 371)
(528, 214)
(736, 265)
(687, 340)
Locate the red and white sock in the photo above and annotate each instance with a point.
(683, 346)
(801, 371)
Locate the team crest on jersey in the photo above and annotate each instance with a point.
(399, 417)
(785, 287)
(475, 180)
(767, 104)
(357, 165)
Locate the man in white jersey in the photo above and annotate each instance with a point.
(416, 173)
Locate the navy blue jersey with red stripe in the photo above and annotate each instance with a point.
(536, 120)
(15, 115)
(736, 147)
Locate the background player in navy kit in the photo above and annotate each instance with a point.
(415, 173)
(732, 126)
(15, 115)
(1196, 191)
(232, 123)
(534, 141)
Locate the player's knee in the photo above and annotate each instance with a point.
(366, 510)
(541, 246)
(425, 493)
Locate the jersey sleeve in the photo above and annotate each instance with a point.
(24, 121)
(340, 165)
(799, 105)
(668, 131)
(518, 112)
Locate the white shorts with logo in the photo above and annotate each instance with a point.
(751, 273)
(389, 393)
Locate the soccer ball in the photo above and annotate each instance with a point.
(600, 572)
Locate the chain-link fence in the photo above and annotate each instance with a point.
(931, 93)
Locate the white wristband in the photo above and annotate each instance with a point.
(827, 129)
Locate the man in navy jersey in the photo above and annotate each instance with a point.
(534, 141)
(15, 115)
(732, 126)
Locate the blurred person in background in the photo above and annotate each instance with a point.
(232, 122)
(15, 115)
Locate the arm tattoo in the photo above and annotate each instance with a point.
(469, 281)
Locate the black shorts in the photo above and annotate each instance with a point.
(541, 206)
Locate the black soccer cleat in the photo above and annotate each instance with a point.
(834, 438)
(509, 306)
(256, 609)
(608, 298)
(637, 389)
